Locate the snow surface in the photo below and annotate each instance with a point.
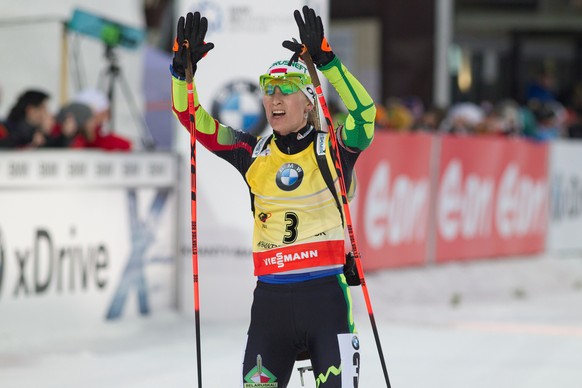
(513, 323)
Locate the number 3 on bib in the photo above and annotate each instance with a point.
(292, 222)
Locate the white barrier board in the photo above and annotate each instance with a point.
(565, 230)
(86, 237)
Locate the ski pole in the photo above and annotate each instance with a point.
(192, 114)
(337, 161)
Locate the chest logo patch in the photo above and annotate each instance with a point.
(289, 176)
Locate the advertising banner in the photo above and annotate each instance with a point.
(86, 237)
(391, 207)
(492, 198)
(565, 230)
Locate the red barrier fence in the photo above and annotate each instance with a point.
(492, 198)
(392, 204)
(428, 198)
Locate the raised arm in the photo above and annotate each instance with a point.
(358, 130)
(232, 145)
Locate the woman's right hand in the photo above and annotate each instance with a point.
(192, 29)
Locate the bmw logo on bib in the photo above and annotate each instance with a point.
(355, 342)
(289, 176)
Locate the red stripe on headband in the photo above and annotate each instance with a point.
(279, 70)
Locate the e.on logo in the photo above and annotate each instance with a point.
(465, 207)
(394, 211)
(521, 204)
(469, 206)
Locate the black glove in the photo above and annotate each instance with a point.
(193, 29)
(311, 34)
(351, 271)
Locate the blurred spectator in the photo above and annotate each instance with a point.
(501, 119)
(491, 125)
(394, 116)
(430, 120)
(462, 119)
(508, 111)
(29, 122)
(75, 126)
(381, 121)
(99, 105)
(400, 119)
(3, 135)
(542, 87)
(97, 101)
(575, 127)
(415, 106)
(528, 124)
(547, 116)
(3, 129)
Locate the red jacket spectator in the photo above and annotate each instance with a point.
(78, 127)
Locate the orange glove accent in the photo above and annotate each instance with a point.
(325, 45)
(176, 46)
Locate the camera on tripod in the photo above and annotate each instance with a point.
(114, 34)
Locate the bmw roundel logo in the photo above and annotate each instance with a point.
(213, 13)
(289, 176)
(355, 342)
(240, 105)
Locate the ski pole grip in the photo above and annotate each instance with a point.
(311, 68)
(189, 68)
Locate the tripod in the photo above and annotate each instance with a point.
(115, 76)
